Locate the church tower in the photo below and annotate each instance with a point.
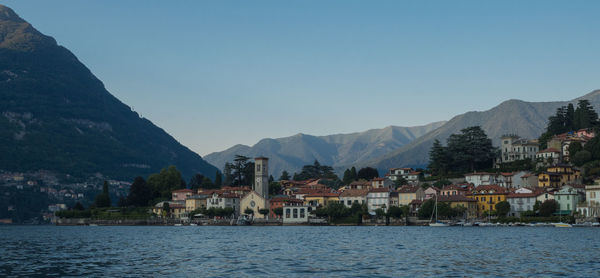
(261, 175)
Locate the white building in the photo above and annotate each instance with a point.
(512, 180)
(521, 202)
(543, 155)
(224, 200)
(591, 207)
(515, 148)
(481, 178)
(381, 183)
(397, 173)
(295, 214)
(351, 196)
(378, 198)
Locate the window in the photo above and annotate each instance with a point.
(295, 213)
(287, 213)
(498, 198)
(301, 213)
(483, 199)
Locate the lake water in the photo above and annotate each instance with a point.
(298, 251)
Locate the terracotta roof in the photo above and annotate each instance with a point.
(453, 187)
(486, 188)
(480, 174)
(286, 200)
(455, 198)
(549, 150)
(416, 202)
(354, 193)
(408, 189)
(378, 179)
(323, 194)
(523, 195)
(183, 191)
(381, 189)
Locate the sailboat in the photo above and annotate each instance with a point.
(436, 223)
(561, 224)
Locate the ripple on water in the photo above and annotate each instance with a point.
(297, 251)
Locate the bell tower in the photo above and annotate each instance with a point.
(261, 176)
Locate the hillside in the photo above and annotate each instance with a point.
(291, 153)
(56, 115)
(527, 119)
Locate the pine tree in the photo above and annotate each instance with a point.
(139, 193)
(218, 179)
(284, 176)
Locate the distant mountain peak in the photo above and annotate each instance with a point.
(17, 34)
(7, 14)
(592, 94)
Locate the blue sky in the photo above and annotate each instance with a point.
(217, 73)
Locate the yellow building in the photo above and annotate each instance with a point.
(321, 199)
(407, 194)
(176, 209)
(559, 175)
(255, 202)
(195, 202)
(469, 205)
(487, 196)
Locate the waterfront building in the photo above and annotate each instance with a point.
(321, 199)
(195, 202)
(467, 204)
(224, 200)
(280, 202)
(545, 196)
(378, 198)
(295, 213)
(408, 193)
(487, 196)
(176, 209)
(567, 199)
(255, 202)
(521, 202)
(351, 196)
(591, 207)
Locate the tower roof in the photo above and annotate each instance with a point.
(261, 158)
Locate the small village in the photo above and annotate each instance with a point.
(475, 199)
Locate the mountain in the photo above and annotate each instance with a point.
(526, 119)
(291, 153)
(56, 115)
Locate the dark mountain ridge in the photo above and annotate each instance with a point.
(56, 115)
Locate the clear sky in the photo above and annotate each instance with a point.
(217, 73)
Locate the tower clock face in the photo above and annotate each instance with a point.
(252, 203)
(257, 180)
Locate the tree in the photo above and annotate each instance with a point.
(166, 209)
(536, 206)
(103, 199)
(163, 183)
(140, 193)
(581, 158)
(278, 211)
(502, 208)
(240, 172)
(337, 210)
(122, 202)
(585, 116)
(218, 179)
(471, 149)
(379, 213)
(284, 176)
(395, 212)
(348, 178)
(438, 159)
(367, 173)
(574, 148)
(426, 210)
(274, 188)
(548, 207)
(196, 181)
(78, 206)
(207, 183)
(316, 171)
(264, 212)
(400, 181)
(249, 211)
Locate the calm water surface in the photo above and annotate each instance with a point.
(298, 251)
